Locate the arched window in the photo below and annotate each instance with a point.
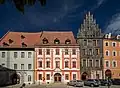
(29, 77)
(114, 64)
(67, 41)
(45, 41)
(56, 41)
(107, 53)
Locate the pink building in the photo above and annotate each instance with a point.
(57, 57)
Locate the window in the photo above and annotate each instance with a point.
(107, 63)
(29, 54)
(90, 51)
(83, 51)
(74, 76)
(22, 66)
(74, 64)
(96, 51)
(57, 64)
(113, 44)
(15, 66)
(84, 63)
(56, 41)
(40, 64)
(67, 41)
(114, 53)
(106, 44)
(94, 42)
(29, 78)
(97, 63)
(48, 64)
(114, 64)
(3, 54)
(66, 64)
(73, 51)
(40, 51)
(48, 51)
(40, 76)
(66, 51)
(90, 63)
(48, 76)
(66, 76)
(29, 66)
(15, 54)
(22, 55)
(45, 41)
(107, 53)
(57, 52)
(85, 42)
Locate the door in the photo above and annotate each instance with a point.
(57, 77)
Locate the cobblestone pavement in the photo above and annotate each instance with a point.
(58, 85)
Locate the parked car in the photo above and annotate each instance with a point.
(116, 81)
(72, 82)
(105, 82)
(91, 82)
(79, 83)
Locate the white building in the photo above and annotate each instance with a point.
(17, 52)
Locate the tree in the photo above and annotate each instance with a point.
(21, 3)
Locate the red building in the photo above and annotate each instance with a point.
(57, 58)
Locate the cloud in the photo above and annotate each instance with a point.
(98, 4)
(113, 25)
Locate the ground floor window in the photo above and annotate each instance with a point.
(66, 76)
(40, 76)
(74, 76)
(48, 76)
(29, 77)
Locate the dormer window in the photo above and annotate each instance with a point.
(45, 41)
(22, 36)
(67, 41)
(24, 45)
(5, 44)
(10, 41)
(56, 41)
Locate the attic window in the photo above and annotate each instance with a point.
(67, 41)
(5, 44)
(10, 41)
(22, 37)
(24, 45)
(45, 41)
(56, 41)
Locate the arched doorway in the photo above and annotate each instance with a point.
(15, 78)
(84, 76)
(108, 73)
(57, 77)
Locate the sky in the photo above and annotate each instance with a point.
(60, 15)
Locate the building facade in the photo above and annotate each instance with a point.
(17, 52)
(111, 48)
(89, 38)
(57, 58)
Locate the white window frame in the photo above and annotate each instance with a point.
(115, 53)
(96, 63)
(89, 63)
(115, 62)
(112, 44)
(108, 52)
(108, 63)
(106, 42)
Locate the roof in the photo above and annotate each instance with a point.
(15, 39)
(61, 36)
(29, 38)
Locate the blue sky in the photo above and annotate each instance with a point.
(60, 15)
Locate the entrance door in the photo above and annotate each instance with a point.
(84, 76)
(57, 77)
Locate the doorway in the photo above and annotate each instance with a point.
(57, 77)
(108, 73)
(84, 76)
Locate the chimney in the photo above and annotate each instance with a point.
(109, 35)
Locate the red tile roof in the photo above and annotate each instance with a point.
(31, 39)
